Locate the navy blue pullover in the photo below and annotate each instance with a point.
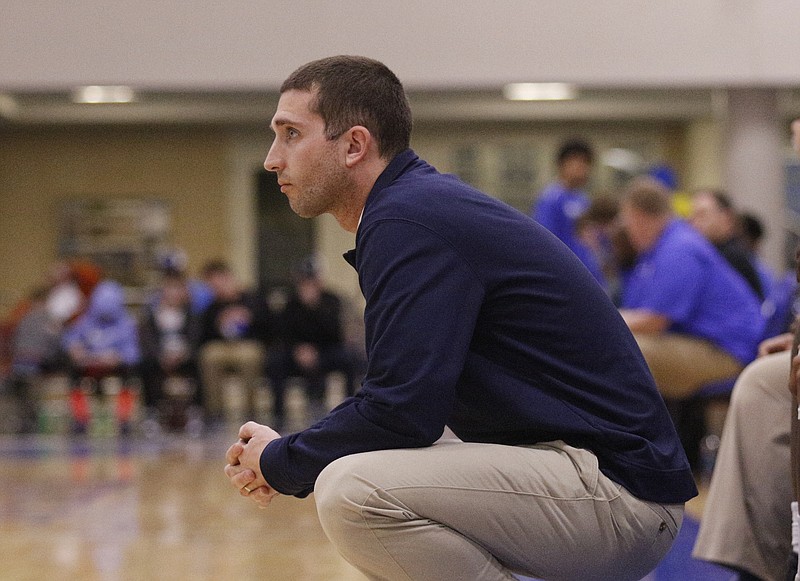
(480, 319)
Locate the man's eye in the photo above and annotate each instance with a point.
(291, 133)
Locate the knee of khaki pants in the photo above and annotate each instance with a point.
(335, 493)
(350, 504)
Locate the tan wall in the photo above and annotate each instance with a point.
(41, 167)
(654, 142)
(704, 154)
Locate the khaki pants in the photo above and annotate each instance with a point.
(463, 511)
(216, 357)
(747, 519)
(681, 364)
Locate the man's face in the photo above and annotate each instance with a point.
(310, 167)
(640, 229)
(574, 171)
(175, 293)
(709, 219)
(224, 285)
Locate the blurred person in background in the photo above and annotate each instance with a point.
(102, 343)
(233, 338)
(200, 292)
(168, 333)
(562, 202)
(310, 343)
(694, 317)
(596, 229)
(753, 233)
(35, 350)
(68, 284)
(714, 216)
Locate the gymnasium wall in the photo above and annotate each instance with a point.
(40, 168)
(207, 44)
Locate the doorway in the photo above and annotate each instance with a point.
(284, 238)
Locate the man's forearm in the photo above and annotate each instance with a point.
(643, 321)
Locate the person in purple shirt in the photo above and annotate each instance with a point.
(695, 318)
(479, 320)
(102, 343)
(562, 202)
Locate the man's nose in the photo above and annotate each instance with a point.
(273, 160)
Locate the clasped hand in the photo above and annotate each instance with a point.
(244, 468)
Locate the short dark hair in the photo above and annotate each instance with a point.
(575, 148)
(752, 226)
(173, 275)
(602, 210)
(354, 90)
(215, 266)
(723, 199)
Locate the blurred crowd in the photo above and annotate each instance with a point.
(685, 271)
(718, 329)
(166, 363)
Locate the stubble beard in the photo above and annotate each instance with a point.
(328, 192)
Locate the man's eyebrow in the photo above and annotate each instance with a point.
(282, 121)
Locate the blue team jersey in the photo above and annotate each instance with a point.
(558, 210)
(685, 279)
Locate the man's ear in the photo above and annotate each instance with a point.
(359, 143)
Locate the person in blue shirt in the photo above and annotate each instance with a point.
(695, 318)
(102, 343)
(563, 202)
(479, 320)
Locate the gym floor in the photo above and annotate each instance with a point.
(105, 508)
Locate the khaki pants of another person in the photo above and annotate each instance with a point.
(217, 357)
(681, 364)
(465, 511)
(747, 520)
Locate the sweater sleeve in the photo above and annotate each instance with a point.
(422, 303)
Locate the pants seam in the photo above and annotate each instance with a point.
(372, 532)
(501, 491)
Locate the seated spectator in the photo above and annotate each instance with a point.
(714, 216)
(695, 319)
(200, 292)
(102, 343)
(746, 520)
(68, 284)
(752, 234)
(310, 343)
(35, 348)
(233, 337)
(71, 284)
(168, 335)
(596, 228)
